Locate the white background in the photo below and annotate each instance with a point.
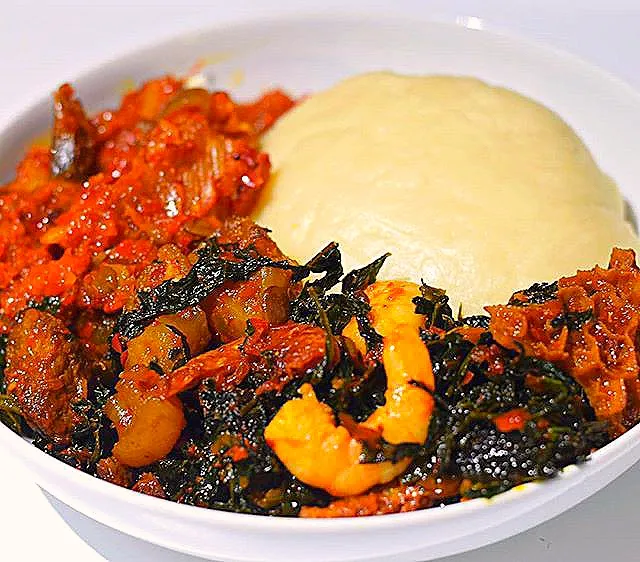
(44, 43)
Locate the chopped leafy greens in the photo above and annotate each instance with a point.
(222, 460)
(217, 264)
(316, 302)
(538, 293)
(464, 440)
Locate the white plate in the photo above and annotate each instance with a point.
(303, 55)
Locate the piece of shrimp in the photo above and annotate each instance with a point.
(304, 435)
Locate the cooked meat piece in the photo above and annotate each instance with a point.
(149, 484)
(111, 470)
(45, 373)
(588, 325)
(275, 355)
(73, 145)
(265, 295)
(247, 234)
(394, 498)
(148, 427)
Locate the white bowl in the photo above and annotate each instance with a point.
(303, 55)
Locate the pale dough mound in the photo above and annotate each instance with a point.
(473, 188)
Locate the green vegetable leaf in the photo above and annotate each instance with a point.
(217, 264)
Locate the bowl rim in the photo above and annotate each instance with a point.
(568, 478)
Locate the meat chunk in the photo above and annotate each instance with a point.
(394, 498)
(196, 171)
(73, 145)
(588, 325)
(45, 373)
(264, 296)
(149, 484)
(148, 427)
(247, 234)
(111, 470)
(275, 356)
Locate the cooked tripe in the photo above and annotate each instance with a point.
(472, 188)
